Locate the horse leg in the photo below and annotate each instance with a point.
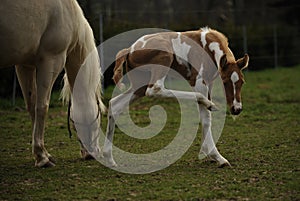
(156, 86)
(208, 147)
(48, 68)
(159, 90)
(116, 106)
(26, 77)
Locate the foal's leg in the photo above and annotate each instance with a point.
(208, 147)
(116, 107)
(48, 68)
(156, 86)
(158, 90)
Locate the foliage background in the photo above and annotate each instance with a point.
(251, 26)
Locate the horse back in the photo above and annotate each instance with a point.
(28, 28)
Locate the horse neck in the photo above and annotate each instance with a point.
(213, 36)
(83, 52)
(83, 61)
(210, 63)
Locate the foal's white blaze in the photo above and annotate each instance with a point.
(234, 78)
(214, 46)
(181, 50)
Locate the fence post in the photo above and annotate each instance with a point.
(275, 46)
(101, 49)
(14, 88)
(245, 40)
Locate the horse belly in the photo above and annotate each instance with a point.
(21, 27)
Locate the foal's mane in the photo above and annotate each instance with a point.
(222, 40)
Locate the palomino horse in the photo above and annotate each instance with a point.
(177, 51)
(41, 38)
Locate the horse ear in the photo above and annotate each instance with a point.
(243, 62)
(223, 61)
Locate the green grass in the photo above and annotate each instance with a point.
(263, 146)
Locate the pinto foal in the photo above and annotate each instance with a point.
(178, 51)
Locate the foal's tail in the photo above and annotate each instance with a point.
(118, 69)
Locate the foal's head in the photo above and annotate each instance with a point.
(233, 80)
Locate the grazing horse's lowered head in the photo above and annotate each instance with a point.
(233, 80)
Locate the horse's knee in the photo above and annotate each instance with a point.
(153, 91)
(156, 89)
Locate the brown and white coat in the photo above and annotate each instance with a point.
(198, 56)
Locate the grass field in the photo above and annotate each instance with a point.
(263, 146)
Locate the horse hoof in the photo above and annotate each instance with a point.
(108, 160)
(86, 156)
(49, 164)
(45, 163)
(111, 163)
(52, 160)
(226, 164)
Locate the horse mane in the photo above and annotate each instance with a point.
(88, 55)
(222, 39)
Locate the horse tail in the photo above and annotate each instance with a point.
(120, 63)
(66, 91)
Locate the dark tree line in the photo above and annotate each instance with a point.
(259, 20)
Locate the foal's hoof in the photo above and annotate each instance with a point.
(213, 108)
(51, 159)
(49, 164)
(44, 163)
(111, 163)
(108, 160)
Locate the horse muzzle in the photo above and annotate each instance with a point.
(236, 110)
